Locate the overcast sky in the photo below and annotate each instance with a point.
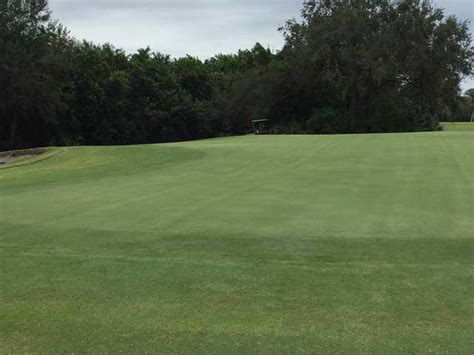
(200, 28)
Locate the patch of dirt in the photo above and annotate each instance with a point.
(15, 155)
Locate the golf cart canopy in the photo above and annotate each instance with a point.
(260, 126)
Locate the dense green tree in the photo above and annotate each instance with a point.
(389, 65)
(155, 91)
(33, 65)
(470, 95)
(99, 101)
(347, 66)
(240, 89)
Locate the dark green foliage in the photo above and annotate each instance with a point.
(348, 66)
(33, 65)
(463, 110)
(389, 65)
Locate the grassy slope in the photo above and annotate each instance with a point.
(250, 244)
(458, 126)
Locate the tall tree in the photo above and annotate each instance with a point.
(394, 64)
(470, 95)
(33, 63)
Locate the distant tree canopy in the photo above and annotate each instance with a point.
(34, 55)
(464, 110)
(347, 66)
(386, 65)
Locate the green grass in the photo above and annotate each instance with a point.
(457, 126)
(277, 244)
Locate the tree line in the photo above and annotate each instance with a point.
(347, 66)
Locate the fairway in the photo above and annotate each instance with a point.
(270, 244)
(458, 126)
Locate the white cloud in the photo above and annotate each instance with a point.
(200, 28)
